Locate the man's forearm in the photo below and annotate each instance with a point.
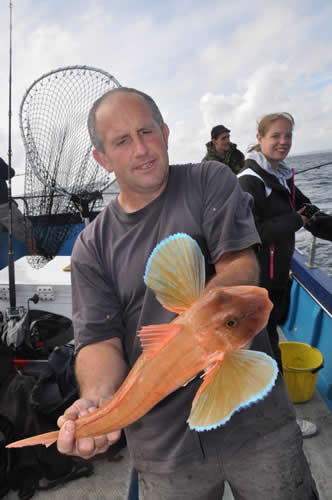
(236, 268)
(100, 369)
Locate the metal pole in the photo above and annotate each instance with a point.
(312, 253)
(11, 269)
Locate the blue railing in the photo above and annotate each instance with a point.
(310, 317)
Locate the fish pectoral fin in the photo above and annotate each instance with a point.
(240, 379)
(154, 337)
(175, 272)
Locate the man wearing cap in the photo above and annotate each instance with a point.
(221, 149)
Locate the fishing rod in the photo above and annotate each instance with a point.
(313, 168)
(12, 311)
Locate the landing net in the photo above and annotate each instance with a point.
(63, 182)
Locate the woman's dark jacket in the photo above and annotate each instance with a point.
(276, 221)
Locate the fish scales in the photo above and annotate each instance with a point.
(156, 379)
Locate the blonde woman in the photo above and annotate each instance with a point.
(279, 211)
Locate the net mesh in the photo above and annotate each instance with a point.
(61, 176)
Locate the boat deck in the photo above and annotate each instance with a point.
(111, 478)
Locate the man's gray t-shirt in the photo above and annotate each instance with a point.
(110, 299)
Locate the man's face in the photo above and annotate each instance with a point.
(222, 143)
(135, 147)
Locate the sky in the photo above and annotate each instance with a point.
(204, 63)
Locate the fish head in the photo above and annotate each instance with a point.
(230, 317)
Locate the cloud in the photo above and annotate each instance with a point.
(266, 91)
(204, 62)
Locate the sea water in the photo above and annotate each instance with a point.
(316, 184)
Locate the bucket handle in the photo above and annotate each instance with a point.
(315, 370)
(301, 370)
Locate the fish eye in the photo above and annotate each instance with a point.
(231, 323)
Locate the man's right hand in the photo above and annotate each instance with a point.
(84, 447)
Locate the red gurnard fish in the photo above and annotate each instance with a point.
(211, 334)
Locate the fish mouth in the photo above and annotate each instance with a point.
(258, 316)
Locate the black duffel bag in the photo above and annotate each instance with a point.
(56, 388)
(36, 333)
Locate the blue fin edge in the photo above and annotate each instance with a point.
(162, 243)
(251, 401)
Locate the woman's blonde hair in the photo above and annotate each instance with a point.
(265, 123)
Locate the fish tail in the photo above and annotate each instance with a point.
(46, 439)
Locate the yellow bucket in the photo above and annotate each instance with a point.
(301, 364)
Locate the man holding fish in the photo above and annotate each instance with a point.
(188, 230)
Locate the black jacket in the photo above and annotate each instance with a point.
(276, 221)
(3, 179)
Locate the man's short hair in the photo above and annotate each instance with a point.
(92, 128)
(218, 130)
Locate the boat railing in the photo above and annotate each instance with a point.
(312, 278)
(312, 253)
(312, 295)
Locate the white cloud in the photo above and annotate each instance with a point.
(204, 63)
(266, 91)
